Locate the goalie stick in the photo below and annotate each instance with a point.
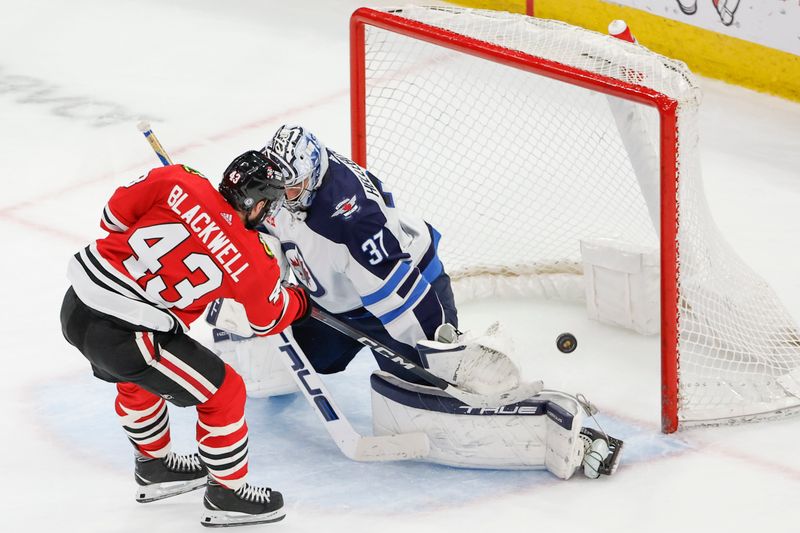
(352, 444)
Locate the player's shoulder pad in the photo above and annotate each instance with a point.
(190, 170)
(184, 171)
(170, 172)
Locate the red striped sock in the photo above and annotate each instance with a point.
(144, 418)
(222, 432)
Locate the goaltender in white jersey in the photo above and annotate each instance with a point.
(377, 269)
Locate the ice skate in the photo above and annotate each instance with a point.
(246, 505)
(169, 476)
(602, 453)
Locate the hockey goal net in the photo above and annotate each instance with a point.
(518, 137)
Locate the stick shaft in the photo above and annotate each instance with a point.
(151, 138)
(520, 393)
(328, 319)
(352, 444)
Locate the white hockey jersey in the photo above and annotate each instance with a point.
(354, 252)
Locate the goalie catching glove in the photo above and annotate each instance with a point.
(479, 364)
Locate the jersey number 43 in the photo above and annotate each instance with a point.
(151, 245)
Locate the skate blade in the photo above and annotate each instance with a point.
(214, 518)
(615, 455)
(159, 491)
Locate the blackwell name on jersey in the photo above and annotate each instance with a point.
(174, 245)
(200, 222)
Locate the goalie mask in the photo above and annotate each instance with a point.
(304, 160)
(249, 179)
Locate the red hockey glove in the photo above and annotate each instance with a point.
(304, 303)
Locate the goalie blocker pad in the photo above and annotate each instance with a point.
(542, 432)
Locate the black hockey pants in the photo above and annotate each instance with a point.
(173, 366)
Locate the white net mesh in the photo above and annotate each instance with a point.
(515, 169)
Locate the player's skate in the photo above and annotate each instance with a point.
(243, 506)
(601, 453)
(169, 476)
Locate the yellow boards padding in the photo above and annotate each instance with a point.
(706, 52)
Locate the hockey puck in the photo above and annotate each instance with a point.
(566, 343)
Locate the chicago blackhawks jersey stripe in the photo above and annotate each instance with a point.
(101, 288)
(111, 223)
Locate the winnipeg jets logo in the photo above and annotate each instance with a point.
(301, 270)
(228, 218)
(346, 207)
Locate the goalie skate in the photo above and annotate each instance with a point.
(602, 453)
(168, 476)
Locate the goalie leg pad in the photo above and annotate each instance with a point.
(565, 448)
(258, 361)
(542, 432)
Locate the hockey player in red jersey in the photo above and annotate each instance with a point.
(174, 245)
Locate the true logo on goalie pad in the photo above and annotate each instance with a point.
(428, 399)
(514, 409)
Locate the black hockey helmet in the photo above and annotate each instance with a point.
(250, 178)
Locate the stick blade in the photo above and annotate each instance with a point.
(402, 447)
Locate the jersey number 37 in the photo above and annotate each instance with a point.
(375, 248)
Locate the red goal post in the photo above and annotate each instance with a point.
(611, 86)
(624, 87)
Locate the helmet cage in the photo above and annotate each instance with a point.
(303, 159)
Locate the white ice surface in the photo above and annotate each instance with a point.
(216, 78)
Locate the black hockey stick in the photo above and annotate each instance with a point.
(517, 394)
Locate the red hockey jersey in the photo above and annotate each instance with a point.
(174, 245)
